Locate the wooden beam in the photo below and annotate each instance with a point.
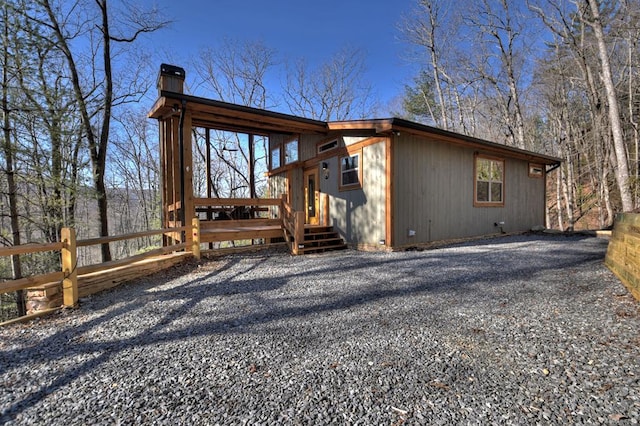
(326, 218)
(33, 281)
(213, 202)
(102, 240)
(29, 248)
(227, 116)
(69, 267)
(29, 317)
(90, 269)
(389, 191)
(239, 223)
(187, 153)
(298, 240)
(240, 234)
(195, 238)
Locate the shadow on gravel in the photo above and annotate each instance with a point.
(375, 276)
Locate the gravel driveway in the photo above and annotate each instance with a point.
(515, 330)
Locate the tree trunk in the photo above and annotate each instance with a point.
(622, 166)
(16, 266)
(101, 154)
(434, 61)
(559, 198)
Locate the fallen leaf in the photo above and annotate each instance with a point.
(618, 417)
(606, 387)
(439, 385)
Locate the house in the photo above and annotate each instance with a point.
(380, 183)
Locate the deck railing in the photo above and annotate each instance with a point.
(228, 219)
(68, 276)
(242, 208)
(293, 222)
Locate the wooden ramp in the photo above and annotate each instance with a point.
(93, 279)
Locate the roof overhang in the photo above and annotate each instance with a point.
(226, 116)
(398, 126)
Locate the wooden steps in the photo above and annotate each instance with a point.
(319, 239)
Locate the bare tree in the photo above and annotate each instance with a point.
(95, 100)
(233, 72)
(8, 147)
(336, 90)
(500, 28)
(423, 28)
(136, 163)
(594, 19)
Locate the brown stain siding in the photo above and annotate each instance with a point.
(434, 194)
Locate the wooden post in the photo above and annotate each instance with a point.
(69, 267)
(326, 219)
(283, 196)
(195, 244)
(298, 239)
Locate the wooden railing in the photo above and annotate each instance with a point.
(230, 219)
(236, 208)
(293, 222)
(239, 219)
(67, 277)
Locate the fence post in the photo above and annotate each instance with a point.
(69, 267)
(195, 245)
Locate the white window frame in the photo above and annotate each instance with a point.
(358, 169)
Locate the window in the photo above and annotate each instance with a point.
(350, 169)
(489, 181)
(291, 151)
(275, 158)
(536, 170)
(327, 146)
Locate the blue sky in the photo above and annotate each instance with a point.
(313, 30)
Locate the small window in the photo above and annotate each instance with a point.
(536, 170)
(350, 169)
(275, 158)
(327, 146)
(489, 182)
(291, 151)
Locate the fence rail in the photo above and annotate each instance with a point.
(29, 248)
(67, 278)
(69, 271)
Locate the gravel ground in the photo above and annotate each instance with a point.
(515, 330)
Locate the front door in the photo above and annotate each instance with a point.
(311, 196)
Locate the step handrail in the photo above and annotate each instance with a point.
(293, 222)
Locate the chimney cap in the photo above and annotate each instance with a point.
(172, 70)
